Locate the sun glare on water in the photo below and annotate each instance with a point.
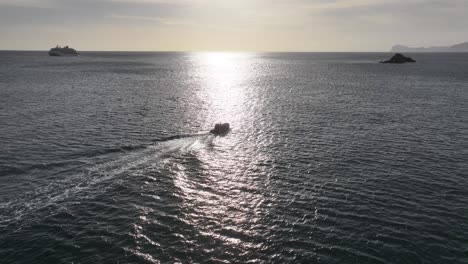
(224, 77)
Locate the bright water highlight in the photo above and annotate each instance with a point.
(332, 158)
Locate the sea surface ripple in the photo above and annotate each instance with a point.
(332, 158)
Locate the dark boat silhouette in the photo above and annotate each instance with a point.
(220, 129)
(60, 52)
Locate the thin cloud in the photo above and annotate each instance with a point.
(29, 3)
(160, 20)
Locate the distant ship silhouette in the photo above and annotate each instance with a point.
(65, 51)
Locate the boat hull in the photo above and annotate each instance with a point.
(60, 54)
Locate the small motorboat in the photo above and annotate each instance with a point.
(220, 129)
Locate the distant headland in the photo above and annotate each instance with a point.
(462, 47)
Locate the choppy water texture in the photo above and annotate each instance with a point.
(333, 158)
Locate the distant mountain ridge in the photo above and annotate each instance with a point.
(462, 47)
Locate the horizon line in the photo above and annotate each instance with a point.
(213, 51)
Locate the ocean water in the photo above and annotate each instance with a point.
(332, 158)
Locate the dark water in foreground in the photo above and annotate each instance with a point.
(332, 158)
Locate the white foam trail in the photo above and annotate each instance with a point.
(80, 186)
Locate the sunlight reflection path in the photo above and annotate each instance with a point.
(222, 186)
(223, 78)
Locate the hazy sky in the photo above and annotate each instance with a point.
(245, 25)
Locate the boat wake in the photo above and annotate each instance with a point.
(56, 196)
